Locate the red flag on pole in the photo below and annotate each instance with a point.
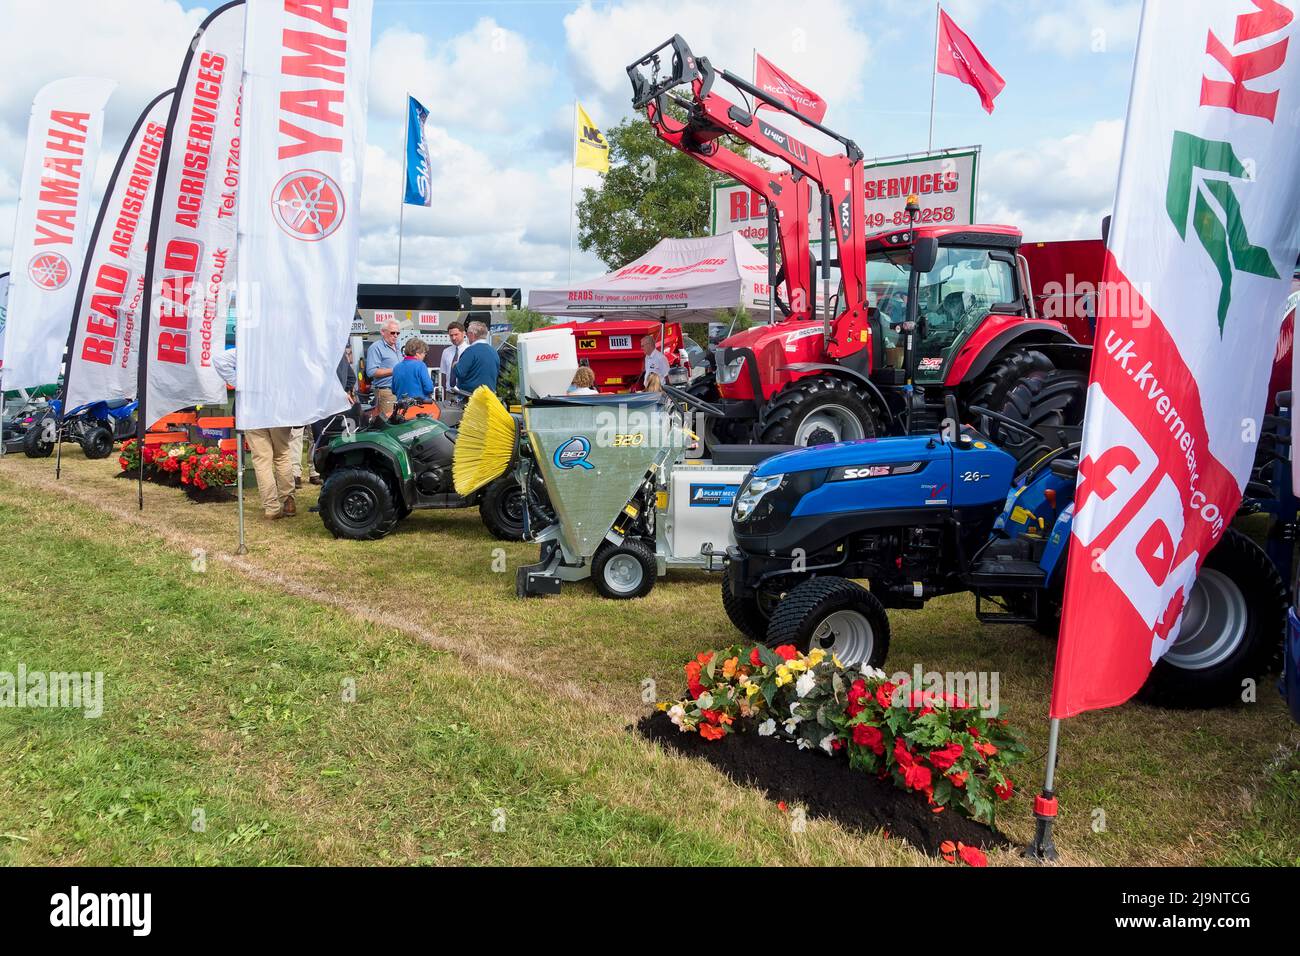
(781, 86)
(957, 56)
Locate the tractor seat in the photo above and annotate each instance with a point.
(746, 454)
(1067, 468)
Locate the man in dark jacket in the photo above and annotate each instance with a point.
(479, 364)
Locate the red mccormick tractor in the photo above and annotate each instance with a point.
(920, 313)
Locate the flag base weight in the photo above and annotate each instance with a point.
(1042, 849)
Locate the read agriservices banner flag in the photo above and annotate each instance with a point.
(103, 345)
(1197, 273)
(191, 267)
(419, 190)
(305, 75)
(52, 226)
(781, 86)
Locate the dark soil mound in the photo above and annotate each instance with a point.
(825, 787)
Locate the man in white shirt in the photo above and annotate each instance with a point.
(656, 363)
(452, 353)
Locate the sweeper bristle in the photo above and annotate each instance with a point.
(486, 442)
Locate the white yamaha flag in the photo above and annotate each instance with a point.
(305, 74)
(191, 270)
(105, 334)
(52, 226)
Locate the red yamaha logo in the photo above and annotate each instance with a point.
(308, 205)
(49, 270)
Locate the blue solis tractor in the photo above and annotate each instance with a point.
(916, 517)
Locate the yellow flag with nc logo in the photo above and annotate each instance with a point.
(591, 150)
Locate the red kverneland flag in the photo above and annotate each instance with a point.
(1198, 269)
(958, 56)
(781, 86)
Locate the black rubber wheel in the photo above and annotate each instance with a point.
(34, 443)
(623, 571)
(97, 442)
(1232, 630)
(502, 508)
(750, 613)
(1026, 386)
(357, 504)
(836, 615)
(818, 410)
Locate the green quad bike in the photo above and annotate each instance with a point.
(377, 475)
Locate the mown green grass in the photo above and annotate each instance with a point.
(227, 695)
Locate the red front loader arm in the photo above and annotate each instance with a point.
(840, 178)
(782, 192)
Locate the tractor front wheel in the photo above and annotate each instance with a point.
(834, 614)
(818, 410)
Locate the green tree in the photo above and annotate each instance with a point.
(651, 192)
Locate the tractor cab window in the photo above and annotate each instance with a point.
(888, 277)
(954, 297)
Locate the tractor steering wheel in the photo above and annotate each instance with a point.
(1006, 421)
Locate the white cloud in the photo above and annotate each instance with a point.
(479, 79)
(1087, 26)
(817, 42)
(1055, 189)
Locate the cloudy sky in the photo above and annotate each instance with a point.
(500, 79)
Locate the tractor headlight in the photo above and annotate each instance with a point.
(753, 493)
(730, 372)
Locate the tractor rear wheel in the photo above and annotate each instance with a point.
(1231, 632)
(1027, 386)
(818, 410)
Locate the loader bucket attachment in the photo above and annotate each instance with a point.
(657, 72)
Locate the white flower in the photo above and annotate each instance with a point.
(767, 728)
(804, 685)
(676, 713)
(705, 701)
(791, 724)
(826, 743)
(803, 744)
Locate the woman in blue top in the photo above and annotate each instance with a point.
(411, 377)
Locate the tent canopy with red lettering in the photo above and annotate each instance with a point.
(684, 280)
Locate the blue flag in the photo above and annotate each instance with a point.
(418, 187)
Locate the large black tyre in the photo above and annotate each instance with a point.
(1024, 385)
(357, 504)
(97, 442)
(818, 410)
(750, 613)
(1232, 630)
(624, 571)
(835, 614)
(34, 443)
(502, 509)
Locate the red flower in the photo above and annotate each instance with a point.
(958, 779)
(972, 855)
(943, 759)
(710, 732)
(918, 777)
(1004, 790)
(858, 698)
(985, 750)
(864, 735)
(693, 679)
(704, 657)
(755, 658)
(902, 756)
(786, 652)
(885, 694)
(973, 731)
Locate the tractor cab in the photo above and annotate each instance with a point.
(971, 273)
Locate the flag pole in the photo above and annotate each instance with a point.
(573, 176)
(1041, 848)
(934, 77)
(239, 467)
(401, 196)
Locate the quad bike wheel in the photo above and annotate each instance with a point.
(839, 616)
(358, 504)
(502, 508)
(623, 571)
(1025, 385)
(818, 410)
(34, 443)
(97, 442)
(1232, 630)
